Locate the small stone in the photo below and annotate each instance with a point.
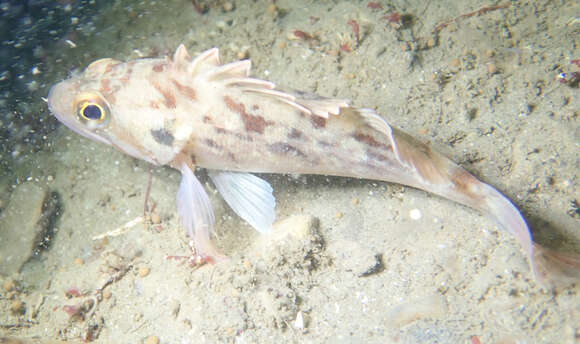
(228, 6)
(272, 9)
(17, 307)
(491, 68)
(430, 42)
(355, 201)
(152, 340)
(243, 54)
(107, 294)
(415, 214)
(455, 63)
(144, 271)
(155, 219)
(9, 285)
(79, 261)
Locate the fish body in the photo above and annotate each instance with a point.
(189, 113)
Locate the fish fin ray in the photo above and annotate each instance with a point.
(372, 118)
(555, 268)
(196, 212)
(249, 196)
(207, 59)
(238, 69)
(317, 106)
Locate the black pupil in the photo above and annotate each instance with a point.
(92, 112)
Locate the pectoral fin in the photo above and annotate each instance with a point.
(249, 196)
(196, 212)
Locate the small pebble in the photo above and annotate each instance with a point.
(243, 54)
(455, 63)
(9, 285)
(79, 261)
(107, 294)
(144, 271)
(152, 340)
(355, 201)
(415, 214)
(430, 42)
(272, 9)
(491, 68)
(155, 219)
(228, 6)
(17, 307)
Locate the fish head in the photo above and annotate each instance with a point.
(125, 105)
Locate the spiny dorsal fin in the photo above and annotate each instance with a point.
(181, 57)
(209, 58)
(238, 69)
(236, 74)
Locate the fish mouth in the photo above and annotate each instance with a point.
(60, 100)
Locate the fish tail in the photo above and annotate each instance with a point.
(438, 174)
(551, 268)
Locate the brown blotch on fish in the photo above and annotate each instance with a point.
(163, 136)
(285, 148)
(168, 97)
(185, 90)
(244, 137)
(251, 122)
(158, 68)
(368, 139)
(464, 182)
(295, 134)
(211, 143)
(325, 144)
(105, 86)
(109, 67)
(377, 156)
(318, 122)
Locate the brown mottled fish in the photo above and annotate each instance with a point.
(186, 112)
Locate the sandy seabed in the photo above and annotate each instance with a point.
(352, 261)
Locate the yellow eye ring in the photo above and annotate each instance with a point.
(92, 112)
(92, 109)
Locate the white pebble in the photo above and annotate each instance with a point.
(299, 322)
(415, 214)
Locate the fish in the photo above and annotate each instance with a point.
(195, 112)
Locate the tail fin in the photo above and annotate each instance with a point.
(551, 268)
(437, 174)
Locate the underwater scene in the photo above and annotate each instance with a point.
(276, 171)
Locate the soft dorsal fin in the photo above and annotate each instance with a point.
(376, 122)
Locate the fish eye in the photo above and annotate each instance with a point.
(92, 109)
(92, 112)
